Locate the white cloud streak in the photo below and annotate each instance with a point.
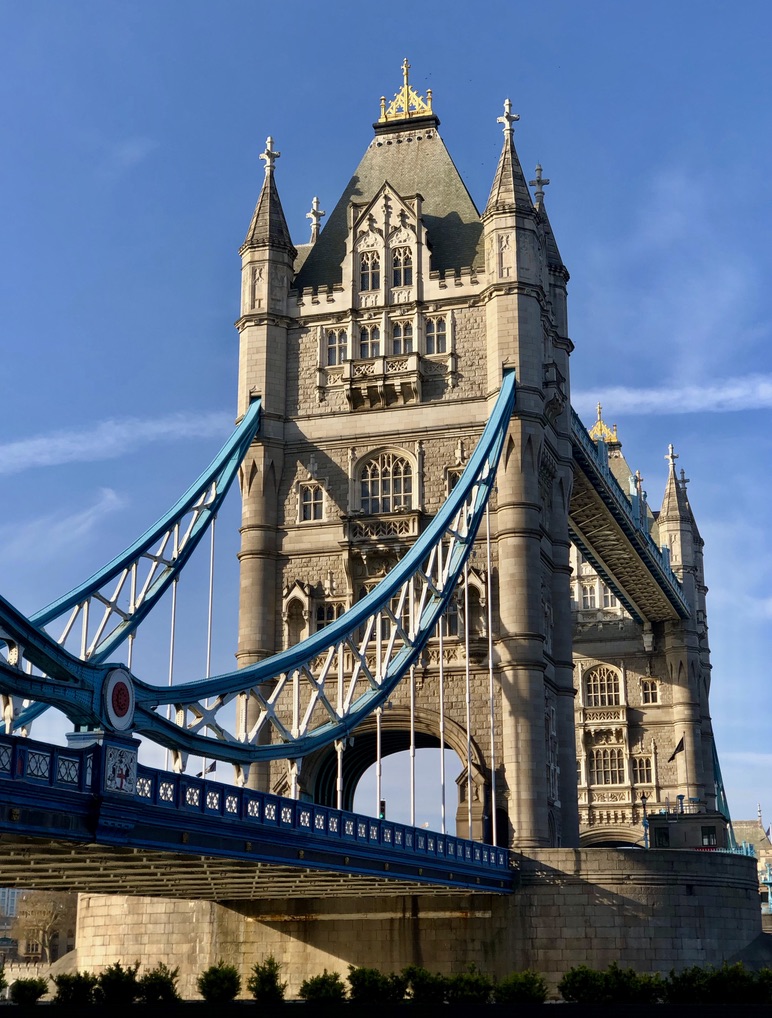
(753, 392)
(109, 439)
(42, 538)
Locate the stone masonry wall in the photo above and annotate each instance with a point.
(650, 910)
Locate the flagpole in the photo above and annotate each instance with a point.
(686, 765)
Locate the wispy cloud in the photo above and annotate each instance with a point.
(108, 440)
(41, 538)
(122, 156)
(753, 392)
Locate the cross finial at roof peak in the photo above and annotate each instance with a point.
(540, 183)
(315, 216)
(672, 455)
(508, 118)
(269, 156)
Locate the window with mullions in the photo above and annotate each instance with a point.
(311, 502)
(601, 686)
(607, 766)
(369, 341)
(609, 600)
(369, 271)
(436, 336)
(402, 338)
(337, 346)
(402, 266)
(328, 613)
(386, 484)
(588, 596)
(641, 770)
(649, 691)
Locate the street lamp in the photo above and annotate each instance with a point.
(645, 821)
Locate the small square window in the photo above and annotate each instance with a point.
(709, 837)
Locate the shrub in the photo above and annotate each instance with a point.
(689, 986)
(3, 980)
(159, 985)
(472, 987)
(264, 983)
(28, 991)
(583, 985)
(219, 983)
(764, 981)
(326, 988)
(734, 984)
(616, 985)
(75, 989)
(424, 987)
(369, 986)
(117, 985)
(521, 988)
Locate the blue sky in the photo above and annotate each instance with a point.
(130, 171)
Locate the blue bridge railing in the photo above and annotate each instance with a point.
(99, 794)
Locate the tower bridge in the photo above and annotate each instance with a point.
(435, 552)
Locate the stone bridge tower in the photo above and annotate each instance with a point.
(378, 349)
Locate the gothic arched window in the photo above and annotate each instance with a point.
(601, 687)
(607, 766)
(386, 484)
(369, 341)
(436, 335)
(649, 691)
(369, 271)
(402, 338)
(402, 266)
(337, 347)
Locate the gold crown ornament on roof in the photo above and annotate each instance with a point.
(407, 103)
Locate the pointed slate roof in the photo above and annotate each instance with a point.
(412, 157)
(675, 505)
(268, 227)
(675, 502)
(509, 190)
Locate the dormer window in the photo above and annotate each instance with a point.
(402, 338)
(369, 342)
(369, 271)
(402, 266)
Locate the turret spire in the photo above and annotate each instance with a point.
(268, 227)
(509, 190)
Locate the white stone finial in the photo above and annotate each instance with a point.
(508, 118)
(672, 455)
(315, 215)
(539, 183)
(269, 156)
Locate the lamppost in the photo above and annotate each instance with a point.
(645, 821)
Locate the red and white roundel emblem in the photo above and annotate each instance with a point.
(119, 699)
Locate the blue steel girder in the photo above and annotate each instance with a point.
(316, 692)
(618, 542)
(106, 609)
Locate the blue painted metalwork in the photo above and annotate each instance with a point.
(594, 462)
(71, 794)
(309, 695)
(108, 618)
